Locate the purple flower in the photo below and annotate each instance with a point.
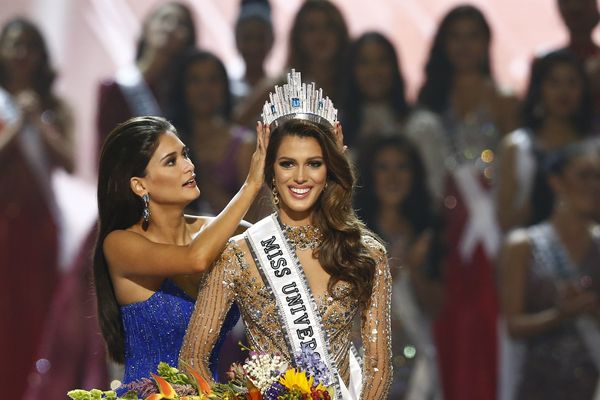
(310, 362)
(143, 387)
(274, 391)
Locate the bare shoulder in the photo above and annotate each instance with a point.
(510, 142)
(122, 239)
(517, 243)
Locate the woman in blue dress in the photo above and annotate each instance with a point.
(150, 256)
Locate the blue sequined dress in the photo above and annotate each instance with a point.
(154, 331)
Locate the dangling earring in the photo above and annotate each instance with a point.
(146, 213)
(275, 194)
(325, 187)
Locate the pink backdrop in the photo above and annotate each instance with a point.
(89, 39)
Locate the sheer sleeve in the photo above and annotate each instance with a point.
(214, 300)
(376, 331)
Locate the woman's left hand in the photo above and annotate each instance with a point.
(257, 165)
(339, 137)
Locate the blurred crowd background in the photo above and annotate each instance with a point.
(473, 128)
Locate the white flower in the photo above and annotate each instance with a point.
(264, 369)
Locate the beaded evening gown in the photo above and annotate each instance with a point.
(235, 278)
(154, 330)
(557, 364)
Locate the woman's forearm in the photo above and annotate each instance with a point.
(210, 241)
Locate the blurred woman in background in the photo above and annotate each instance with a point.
(144, 88)
(460, 87)
(375, 104)
(253, 39)
(549, 284)
(201, 108)
(394, 201)
(317, 47)
(36, 136)
(557, 111)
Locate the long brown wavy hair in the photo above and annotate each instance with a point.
(343, 254)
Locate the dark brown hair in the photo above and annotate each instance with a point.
(343, 254)
(439, 71)
(44, 76)
(298, 59)
(189, 22)
(125, 154)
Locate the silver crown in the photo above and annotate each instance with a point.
(297, 100)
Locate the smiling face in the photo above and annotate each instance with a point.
(466, 44)
(319, 36)
(20, 53)
(392, 176)
(562, 91)
(170, 177)
(205, 88)
(168, 29)
(579, 185)
(254, 39)
(374, 71)
(300, 175)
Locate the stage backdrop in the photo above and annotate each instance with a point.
(90, 39)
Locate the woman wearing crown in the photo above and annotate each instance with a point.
(301, 275)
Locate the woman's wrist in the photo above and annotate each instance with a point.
(252, 186)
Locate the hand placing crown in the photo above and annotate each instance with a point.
(297, 100)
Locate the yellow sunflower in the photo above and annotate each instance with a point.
(293, 379)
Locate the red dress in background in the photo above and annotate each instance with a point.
(466, 329)
(28, 267)
(72, 345)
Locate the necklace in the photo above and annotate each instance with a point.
(303, 237)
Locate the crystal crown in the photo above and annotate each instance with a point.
(297, 100)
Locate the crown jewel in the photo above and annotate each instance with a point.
(297, 100)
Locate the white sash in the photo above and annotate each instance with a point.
(138, 95)
(525, 163)
(482, 225)
(284, 276)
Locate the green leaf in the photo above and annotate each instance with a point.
(172, 374)
(110, 395)
(79, 394)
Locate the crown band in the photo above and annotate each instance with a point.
(317, 119)
(297, 100)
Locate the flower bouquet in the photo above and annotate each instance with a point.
(262, 376)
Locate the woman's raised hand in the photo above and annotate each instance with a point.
(256, 175)
(339, 137)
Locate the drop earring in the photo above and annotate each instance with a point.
(146, 212)
(275, 194)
